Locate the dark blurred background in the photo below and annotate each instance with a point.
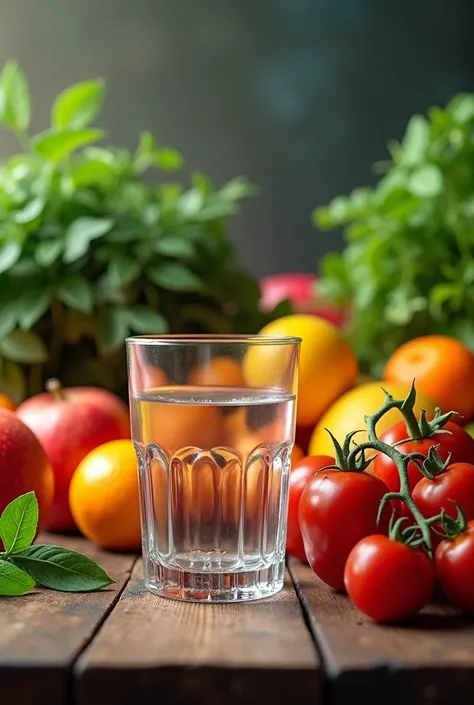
(299, 95)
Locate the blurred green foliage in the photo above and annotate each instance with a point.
(408, 265)
(91, 250)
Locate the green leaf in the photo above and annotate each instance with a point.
(214, 210)
(8, 317)
(168, 159)
(78, 105)
(32, 305)
(142, 319)
(174, 246)
(149, 154)
(80, 233)
(92, 172)
(23, 346)
(238, 188)
(123, 270)
(416, 140)
(174, 276)
(112, 330)
(9, 254)
(462, 108)
(12, 381)
(14, 98)
(13, 580)
(55, 145)
(18, 523)
(426, 181)
(76, 292)
(190, 203)
(48, 251)
(61, 569)
(30, 212)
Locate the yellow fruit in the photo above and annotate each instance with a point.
(328, 366)
(347, 414)
(104, 496)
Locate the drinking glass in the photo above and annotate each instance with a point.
(213, 421)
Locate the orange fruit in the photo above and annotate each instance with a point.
(347, 414)
(328, 367)
(221, 371)
(442, 367)
(103, 496)
(296, 454)
(7, 403)
(175, 426)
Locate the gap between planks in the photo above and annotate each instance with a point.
(427, 661)
(42, 633)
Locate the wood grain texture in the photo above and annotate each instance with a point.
(42, 633)
(427, 661)
(157, 650)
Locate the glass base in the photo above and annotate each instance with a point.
(215, 587)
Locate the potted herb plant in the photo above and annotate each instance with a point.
(91, 250)
(408, 265)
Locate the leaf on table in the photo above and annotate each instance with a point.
(13, 580)
(18, 523)
(62, 569)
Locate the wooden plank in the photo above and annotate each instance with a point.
(156, 650)
(429, 660)
(42, 633)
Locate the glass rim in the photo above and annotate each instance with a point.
(213, 339)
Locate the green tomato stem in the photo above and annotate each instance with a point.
(401, 460)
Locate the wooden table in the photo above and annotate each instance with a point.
(124, 646)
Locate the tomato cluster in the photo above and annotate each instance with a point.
(355, 540)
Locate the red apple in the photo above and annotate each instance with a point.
(300, 290)
(24, 466)
(69, 424)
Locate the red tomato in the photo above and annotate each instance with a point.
(456, 484)
(454, 561)
(337, 509)
(458, 442)
(302, 471)
(387, 580)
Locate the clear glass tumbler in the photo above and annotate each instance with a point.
(213, 420)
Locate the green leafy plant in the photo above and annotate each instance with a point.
(91, 250)
(408, 266)
(22, 565)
